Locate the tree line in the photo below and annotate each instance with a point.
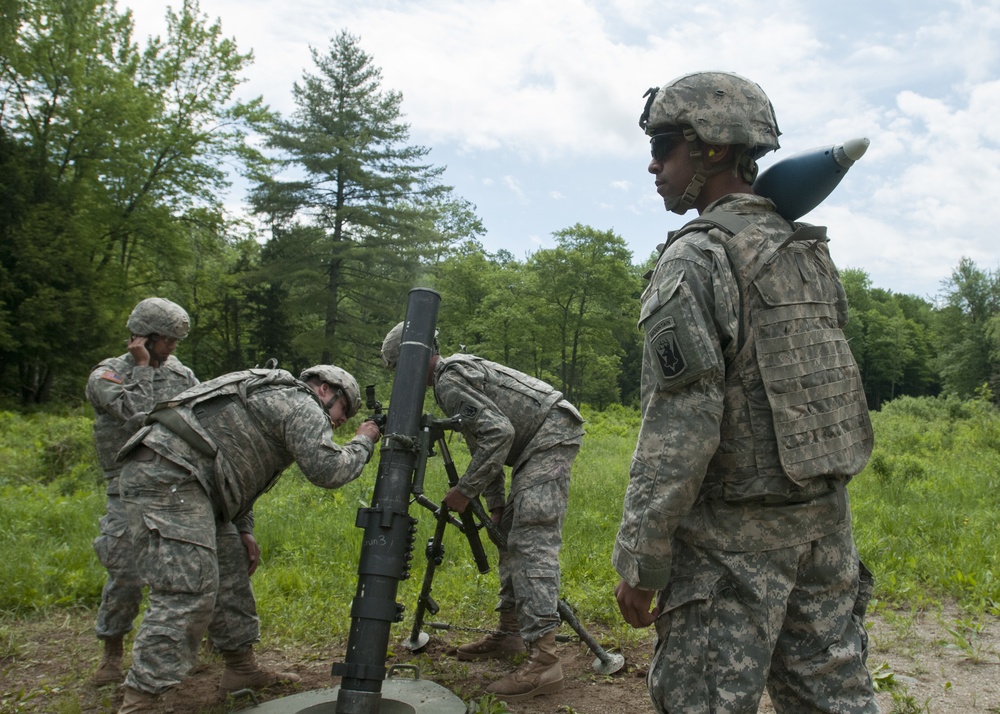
(113, 158)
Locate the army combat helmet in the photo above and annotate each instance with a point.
(340, 379)
(716, 108)
(393, 342)
(158, 316)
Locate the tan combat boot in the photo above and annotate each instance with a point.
(243, 672)
(541, 673)
(138, 702)
(498, 645)
(109, 671)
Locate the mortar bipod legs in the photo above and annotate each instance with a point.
(606, 663)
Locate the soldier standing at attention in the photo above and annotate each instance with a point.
(206, 456)
(512, 419)
(754, 420)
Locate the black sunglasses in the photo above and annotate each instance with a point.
(660, 145)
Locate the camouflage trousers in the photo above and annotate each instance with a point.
(790, 619)
(197, 572)
(122, 593)
(532, 522)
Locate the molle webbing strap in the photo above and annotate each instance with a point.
(170, 419)
(732, 224)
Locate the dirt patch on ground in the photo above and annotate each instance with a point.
(928, 662)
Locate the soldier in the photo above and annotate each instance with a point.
(754, 420)
(509, 418)
(206, 456)
(123, 390)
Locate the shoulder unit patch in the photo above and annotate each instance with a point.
(668, 354)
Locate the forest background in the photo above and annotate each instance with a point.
(113, 155)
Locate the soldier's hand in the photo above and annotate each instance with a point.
(456, 500)
(253, 550)
(496, 515)
(137, 348)
(371, 430)
(634, 605)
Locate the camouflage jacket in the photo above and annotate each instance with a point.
(252, 425)
(704, 403)
(502, 413)
(122, 393)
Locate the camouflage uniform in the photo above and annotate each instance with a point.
(178, 497)
(736, 509)
(509, 418)
(122, 393)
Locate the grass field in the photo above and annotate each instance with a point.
(926, 517)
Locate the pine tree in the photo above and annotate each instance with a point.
(364, 211)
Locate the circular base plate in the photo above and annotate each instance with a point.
(614, 663)
(399, 696)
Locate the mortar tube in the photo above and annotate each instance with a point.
(389, 530)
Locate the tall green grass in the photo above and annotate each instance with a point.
(51, 497)
(926, 516)
(927, 508)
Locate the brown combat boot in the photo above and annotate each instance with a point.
(109, 671)
(541, 673)
(138, 702)
(243, 672)
(498, 645)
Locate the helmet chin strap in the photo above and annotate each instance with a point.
(682, 204)
(333, 400)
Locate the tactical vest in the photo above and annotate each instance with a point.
(214, 420)
(795, 412)
(110, 433)
(526, 401)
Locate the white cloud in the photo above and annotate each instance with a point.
(514, 186)
(552, 92)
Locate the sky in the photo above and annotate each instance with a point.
(533, 106)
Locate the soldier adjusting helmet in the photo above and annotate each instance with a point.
(158, 316)
(339, 378)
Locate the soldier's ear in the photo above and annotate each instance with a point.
(716, 153)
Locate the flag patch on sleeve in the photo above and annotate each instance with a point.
(113, 377)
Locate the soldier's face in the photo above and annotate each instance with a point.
(338, 412)
(671, 166)
(161, 348)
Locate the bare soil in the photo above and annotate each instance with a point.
(45, 667)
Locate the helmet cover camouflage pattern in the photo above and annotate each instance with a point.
(340, 378)
(158, 316)
(721, 107)
(392, 344)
